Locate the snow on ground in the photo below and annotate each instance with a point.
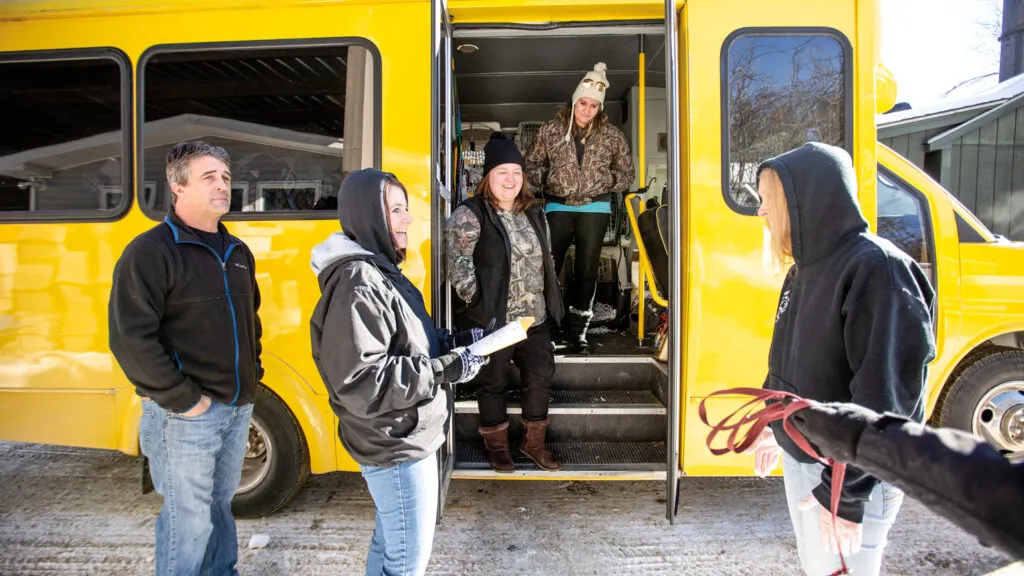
(77, 511)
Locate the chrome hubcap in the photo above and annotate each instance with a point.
(259, 453)
(999, 419)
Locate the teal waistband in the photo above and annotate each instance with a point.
(592, 208)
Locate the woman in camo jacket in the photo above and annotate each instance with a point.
(580, 161)
(500, 268)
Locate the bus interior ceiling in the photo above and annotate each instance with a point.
(607, 414)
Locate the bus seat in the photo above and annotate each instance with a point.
(653, 224)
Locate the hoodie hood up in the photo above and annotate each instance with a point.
(821, 192)
(362, 212)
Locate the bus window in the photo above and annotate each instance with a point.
(66, 127)
(903, 220)
(781, 89)
(294, 119)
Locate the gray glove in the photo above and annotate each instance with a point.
(457, 367)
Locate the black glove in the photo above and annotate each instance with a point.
(467, 337)
(835, 428)
(457, 367)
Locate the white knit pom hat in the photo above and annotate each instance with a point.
(594, 85)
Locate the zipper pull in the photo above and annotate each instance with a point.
(224, 266)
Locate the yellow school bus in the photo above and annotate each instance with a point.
(301, 92)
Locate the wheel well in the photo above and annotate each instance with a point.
(1008, 341)
(291, 413)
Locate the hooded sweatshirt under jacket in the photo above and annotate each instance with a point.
(853, 322)
(371, 336)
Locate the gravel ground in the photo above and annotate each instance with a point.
(77, 511)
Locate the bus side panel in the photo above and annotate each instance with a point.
(730, 298)
(59, 381)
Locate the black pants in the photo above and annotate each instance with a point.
(536, 362)
(586, 230)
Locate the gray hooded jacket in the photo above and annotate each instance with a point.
(371, 337)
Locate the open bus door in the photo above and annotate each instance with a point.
(674, 199)
(442, 195)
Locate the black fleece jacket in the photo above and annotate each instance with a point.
(854, 318)
(183, 319)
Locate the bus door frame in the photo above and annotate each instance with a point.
(442, 184)
(675, 309)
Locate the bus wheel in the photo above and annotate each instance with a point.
(276, 459)
(987, 399)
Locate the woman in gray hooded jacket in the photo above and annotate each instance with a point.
(381, 359)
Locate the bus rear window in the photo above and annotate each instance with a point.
(780, 90)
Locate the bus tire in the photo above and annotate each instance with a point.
(276, 460)
(987, 399)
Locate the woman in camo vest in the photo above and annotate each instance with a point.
(580, 161)
(501, 269)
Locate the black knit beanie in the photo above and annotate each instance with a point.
(500, 151)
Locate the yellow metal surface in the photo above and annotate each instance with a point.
(531, 11)
(729, 298)
(60, 384)
(980, 287)
(885, 87)
(58, 381)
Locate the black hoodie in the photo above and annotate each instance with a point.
(854, 318)
(372, 339)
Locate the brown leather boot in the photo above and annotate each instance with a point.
(533, 445)
(496, 442)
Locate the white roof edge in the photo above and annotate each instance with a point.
(884, 121)
(997, 94)
(945, 138)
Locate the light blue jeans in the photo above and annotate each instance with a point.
(879, 516)
(196, 463)
(406, 499)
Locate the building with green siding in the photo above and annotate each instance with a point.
(974, 147)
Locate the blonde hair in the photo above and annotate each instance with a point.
(778, 237)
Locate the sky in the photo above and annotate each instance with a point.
(932, 45)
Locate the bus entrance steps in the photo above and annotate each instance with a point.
(607, 419)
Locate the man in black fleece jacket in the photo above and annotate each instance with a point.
(853, 325)
(185, 330)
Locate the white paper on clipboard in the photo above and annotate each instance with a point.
(504, 337)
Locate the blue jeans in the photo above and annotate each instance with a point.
(406, 499)
(879, 516)
(196, 463)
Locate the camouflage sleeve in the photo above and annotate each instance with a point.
(463, 233)
(537, 160)
(622, 164)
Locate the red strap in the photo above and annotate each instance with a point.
(765, 407)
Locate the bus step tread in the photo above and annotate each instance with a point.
(564, 401)
(575, 455)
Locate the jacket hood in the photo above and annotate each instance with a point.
(362, 212)
(336, 247)
(821, 191)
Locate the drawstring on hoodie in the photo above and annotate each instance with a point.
(782, 406)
